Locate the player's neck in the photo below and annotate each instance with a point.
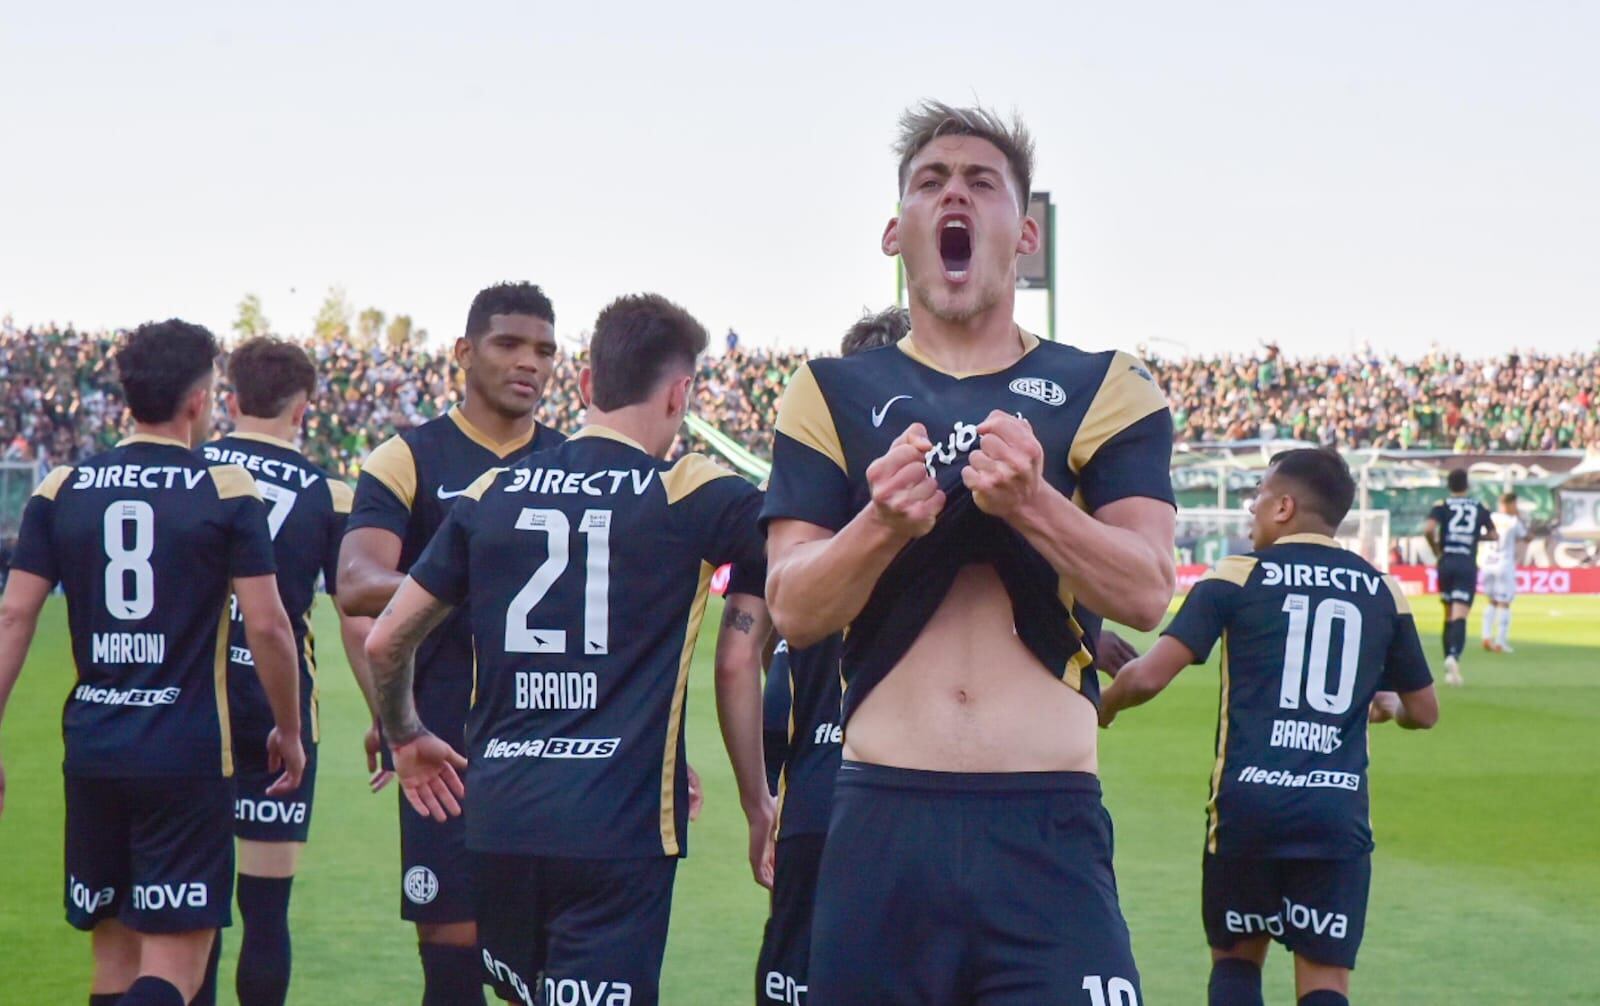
(177, 429)
(282, 428)
(981, 344)
(643, 428)
(497, 426)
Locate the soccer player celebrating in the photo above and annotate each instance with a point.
(1454, 528)
(1500, 580)
(587, 569)
(273, 382)
(1310, 633)
(961, 501)
(146, 540)
(406, 490)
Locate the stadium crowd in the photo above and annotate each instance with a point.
(61, 402)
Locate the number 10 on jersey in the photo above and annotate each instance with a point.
(595, 526)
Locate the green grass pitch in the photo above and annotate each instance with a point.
(1485, 890)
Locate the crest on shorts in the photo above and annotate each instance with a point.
(421, 885)
(1039, 388)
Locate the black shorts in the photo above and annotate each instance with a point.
(1458, 579)
(263, 818)
(1315, 907)
(782, 966)
(588, 930)
(991, 889)
(154, 853)
(435, 868)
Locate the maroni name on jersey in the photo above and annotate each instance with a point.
(273, 468)
(128, 647)
(557, 690)
(1301, 574)
(557, 482)
(138, 477)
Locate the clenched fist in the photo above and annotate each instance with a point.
(905, 498)
(1008, 466)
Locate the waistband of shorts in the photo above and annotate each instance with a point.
(866, 774)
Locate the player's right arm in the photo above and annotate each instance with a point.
(271, 640)
(817, 580)
(19, 616)
(369, 556)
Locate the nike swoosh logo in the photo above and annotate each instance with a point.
(445, 494)
(878, 414)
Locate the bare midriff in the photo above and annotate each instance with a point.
(970, 697)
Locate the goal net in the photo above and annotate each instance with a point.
(1207, 534)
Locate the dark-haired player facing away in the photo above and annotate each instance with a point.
(405, 491)
(587, 569)
(1312, 636)
(146, 540)
(273, 382)
(1454, 528)
(961, 501)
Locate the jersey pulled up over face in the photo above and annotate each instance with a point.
(816, 736)
(145, 540)
(408, 486)
(1463, 522)
(1106, 433)
(306, 512)
(1310, 632)
(587, 569)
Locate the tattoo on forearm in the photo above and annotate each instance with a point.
(393, 674)
(739, 621)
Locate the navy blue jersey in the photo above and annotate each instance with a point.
(775, 705)
(1107, 435)
(145, 540)
(816, 737)
(587, 567)
(1463, 523)
(1310, 632)
(408, 486)
(306, 513)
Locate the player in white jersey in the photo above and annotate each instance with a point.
(1500, 576)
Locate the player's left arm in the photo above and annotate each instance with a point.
(1486, 522)
(353, 629)
(1117, 561)
(1406, 693)
(428, 767)
(741, 642)
(19, 617)
(1143, 678)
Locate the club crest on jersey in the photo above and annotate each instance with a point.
(1040, 389)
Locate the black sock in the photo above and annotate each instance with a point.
(1235, 982)
(1324, 997)
(104, 998)
(207, 996)
(451, 976)
(264, 953)
(152, 991)
(1444, 632)
(1456, 632)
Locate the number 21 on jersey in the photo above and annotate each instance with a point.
(595, 526)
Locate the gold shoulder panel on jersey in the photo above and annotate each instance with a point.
(233, 482)
(481, 484)
(690, 473)
(1127, 394)
(344, 498)
(1402, 603)
(1235, 569)
(53, 482)
(392, 463)
(803, 415)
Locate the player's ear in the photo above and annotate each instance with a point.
(891, 237)
(586, 386)
(232, 400)
(299, 417)
(1028, 243)
(678, 396)
(463, 353)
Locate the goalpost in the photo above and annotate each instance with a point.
(1207, 534)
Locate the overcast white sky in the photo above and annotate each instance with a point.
(1226, 173)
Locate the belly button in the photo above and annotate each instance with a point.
(961, 696)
